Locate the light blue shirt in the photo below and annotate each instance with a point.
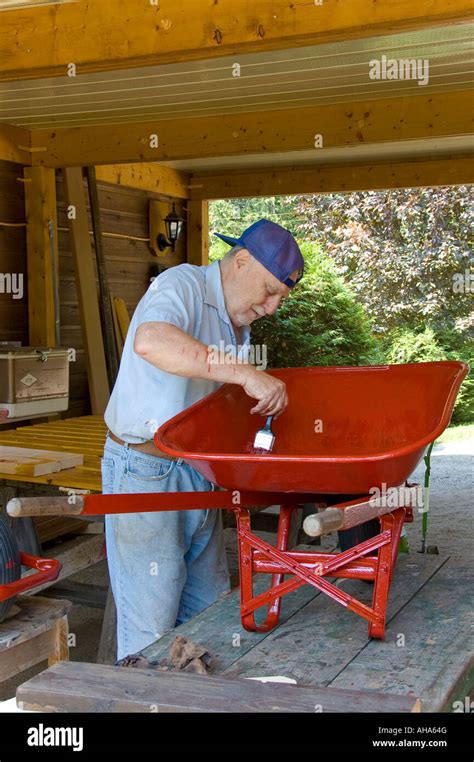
(144, 397)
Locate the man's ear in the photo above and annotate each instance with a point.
(241, 258)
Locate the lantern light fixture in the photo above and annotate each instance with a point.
(174, 224)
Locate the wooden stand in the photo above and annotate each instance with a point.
(35, 630)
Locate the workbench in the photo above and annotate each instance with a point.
(425, 662)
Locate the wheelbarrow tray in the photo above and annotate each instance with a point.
(346, 430)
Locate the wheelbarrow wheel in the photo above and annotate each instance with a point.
(10, 564)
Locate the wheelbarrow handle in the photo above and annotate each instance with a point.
(328, 520)
(45, 506)
(47, 571)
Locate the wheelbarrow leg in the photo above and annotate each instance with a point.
(246, 568)
(387, 557)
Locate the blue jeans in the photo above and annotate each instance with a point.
(164, 567)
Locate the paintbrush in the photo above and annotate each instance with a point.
(265, 438)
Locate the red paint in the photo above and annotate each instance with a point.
(377, 423)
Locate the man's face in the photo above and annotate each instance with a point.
(251, 291)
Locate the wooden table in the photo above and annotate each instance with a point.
(36, 629)
(425, 661)
(85, 435)
(427, 652)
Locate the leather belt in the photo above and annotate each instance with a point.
(147, 447)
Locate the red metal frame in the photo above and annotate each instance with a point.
(47, 571)
(257, 556)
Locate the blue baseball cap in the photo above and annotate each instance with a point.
(274, 247)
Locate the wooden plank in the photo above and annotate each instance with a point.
(32, 613)
(105, 307)
(75, 555)
(20, 466)
(88, 304)
(40, 207)
(60, 649)
(74, 687)
(86, 477)
(198, 232)
(151, 178)
(35, 630)
(329, 178)
(50, 527)
(295, 648)
(27, 654)
(170, 33)
(117, 333)
(308, 620)
(219, 628)
(431, 645)
(123, 318)
(63, 459)
(436, 115)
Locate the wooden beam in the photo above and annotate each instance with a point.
(197, 232)
(14, 144)
(85, 687)
(106, 35)
(342, 124)
(151, 177)
(40, 208)
(328, 178)
(86, 290)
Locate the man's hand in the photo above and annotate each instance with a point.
(167, 347)
(269, 391)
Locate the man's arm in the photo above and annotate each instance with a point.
(169, 348)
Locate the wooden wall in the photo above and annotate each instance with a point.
(130, 263)
(13, 312)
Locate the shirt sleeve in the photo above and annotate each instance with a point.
(172, 298)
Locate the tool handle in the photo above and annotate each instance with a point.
(45, 506)
(268, 423)
(321, 523)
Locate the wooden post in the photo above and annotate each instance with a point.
(87, 290)
(198, 232)
(105, 305)
(40, 207)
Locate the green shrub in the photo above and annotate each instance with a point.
(407, 345)
(320, 323)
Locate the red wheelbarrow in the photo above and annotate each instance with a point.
(358, 431)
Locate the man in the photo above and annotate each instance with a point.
(165, 567)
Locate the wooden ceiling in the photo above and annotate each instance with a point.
(270, 80)
(155, 85)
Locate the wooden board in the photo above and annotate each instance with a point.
(321, 643)
(84, 436)
(80, 687)
(36, 630)
(87, 297)
(31, 613)
(74, 556)
(308, 618)
(431, 645)
(34, 462)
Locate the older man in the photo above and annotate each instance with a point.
(167, 566)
